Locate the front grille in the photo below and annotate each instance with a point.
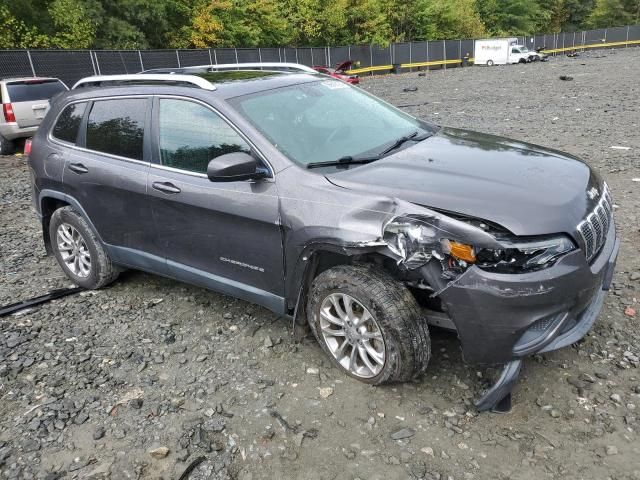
(595, 226)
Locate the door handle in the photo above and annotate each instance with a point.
(166, 187)
(78, 168)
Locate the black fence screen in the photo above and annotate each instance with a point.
(72, 65)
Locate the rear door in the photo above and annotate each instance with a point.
(107, 176)
(30, 99)
(224, 236)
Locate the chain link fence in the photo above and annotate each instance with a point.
(72, 65)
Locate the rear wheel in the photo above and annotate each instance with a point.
(7, 147)
(490, 63)
(368, 324)
(78, 250)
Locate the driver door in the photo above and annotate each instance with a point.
(224, 236)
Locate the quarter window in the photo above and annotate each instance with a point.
(191, 135)
(68, 123)
(116, 127)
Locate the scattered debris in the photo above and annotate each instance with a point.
(283, 423)
(619, 147)
(191, 467)
(566, 78)
(428, 451)
(326, 392)
(403, 433)
(410, 89)
(159, 453)
(53, 295)
(630, 312)
(134, 394)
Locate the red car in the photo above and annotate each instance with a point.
(339, 72)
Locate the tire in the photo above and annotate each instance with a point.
(7, 147)
(398, 328)
(490, 63)
(101, 270)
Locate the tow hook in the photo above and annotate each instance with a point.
(498, 398)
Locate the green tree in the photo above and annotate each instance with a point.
(442, 19)
(509, 17)
(72, 27)
(613, 13)
(367, 22)
(577, 12)
(17, 34)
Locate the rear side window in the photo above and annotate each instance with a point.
(30, 90)
(68, 123)
(191, 135)
(117, 127)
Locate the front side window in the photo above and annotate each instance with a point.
(191, 135)
(326, 120)
(68, 123)
(116, 127)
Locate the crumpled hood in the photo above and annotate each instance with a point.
(525, 188)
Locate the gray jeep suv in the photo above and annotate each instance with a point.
(327, 205)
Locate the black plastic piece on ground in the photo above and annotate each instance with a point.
(498, 397)
(504, 405)
(192, 466)
(53, 295)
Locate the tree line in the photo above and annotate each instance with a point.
(142, 24)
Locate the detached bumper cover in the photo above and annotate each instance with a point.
(503, 317)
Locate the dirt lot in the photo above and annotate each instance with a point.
(91, 384)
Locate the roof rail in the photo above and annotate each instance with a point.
(269, 66)
(261, 65)
(99, 80)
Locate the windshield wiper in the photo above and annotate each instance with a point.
(412, 136)
(348, 160)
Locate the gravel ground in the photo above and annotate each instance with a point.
(142, 378)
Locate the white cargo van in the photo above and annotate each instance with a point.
(501, 51)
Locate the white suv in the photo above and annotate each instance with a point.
(25, 101)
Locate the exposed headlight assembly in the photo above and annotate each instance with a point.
(416, 241)
(519, 256)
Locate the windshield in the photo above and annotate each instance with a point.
(523, 49)
(326, 120)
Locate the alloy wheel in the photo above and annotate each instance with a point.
(73, 250)
(352, 335)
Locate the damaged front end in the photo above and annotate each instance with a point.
(507, 296)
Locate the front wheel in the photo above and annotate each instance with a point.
(368, 324)
(490, 63)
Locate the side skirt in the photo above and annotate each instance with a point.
(184, 273)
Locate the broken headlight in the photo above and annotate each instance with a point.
(520, 256)
(414, 241)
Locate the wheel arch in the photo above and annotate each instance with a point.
(50, 201)
(321, 256)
